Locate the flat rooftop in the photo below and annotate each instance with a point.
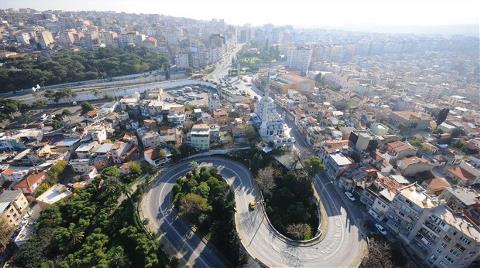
(340, 159)
(54, 194)
(416, 194)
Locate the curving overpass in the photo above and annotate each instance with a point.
(343, 245)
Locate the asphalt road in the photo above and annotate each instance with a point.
(343, 245)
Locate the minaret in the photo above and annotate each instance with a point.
(266, 99)
(265, 108)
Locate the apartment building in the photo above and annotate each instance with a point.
(434, 233)
(410, 119)
(12, 206)
(299, 58)
(200, 136)
(150, 139)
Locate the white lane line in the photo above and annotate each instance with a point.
(165, 219)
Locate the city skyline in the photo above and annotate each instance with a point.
(343, 14)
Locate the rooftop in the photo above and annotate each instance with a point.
(340, 159)
(86, 147)
(458, 222)
(104, 148)
(461, 173)
(467, 196)
(54, 194)
(416, 194)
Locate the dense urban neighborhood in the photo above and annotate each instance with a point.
(137, 140)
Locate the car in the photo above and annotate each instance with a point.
(251, 205)
(380, 229)
(350, 196)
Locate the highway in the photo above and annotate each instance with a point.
(342, 246)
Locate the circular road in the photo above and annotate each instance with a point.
(343, 245)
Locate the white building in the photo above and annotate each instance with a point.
(98, 133)
(80, 165)
(272, 127)
(299, 58)
(436, 235)
(200, 136)
(151, 139)
(181, 60)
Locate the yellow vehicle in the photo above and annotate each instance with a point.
(251, 205)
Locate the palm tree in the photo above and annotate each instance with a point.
(117, 257)
(75, 234)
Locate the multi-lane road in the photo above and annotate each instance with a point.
(343, 245)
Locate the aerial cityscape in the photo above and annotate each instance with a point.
(230, 134)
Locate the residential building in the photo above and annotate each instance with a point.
(464, 174)
(150, 139)
(12, 206)
(293, 81)
(463, 200)
(29, 184)
(414, 165)
(80, 165)
(432, 230)
(400, 150)
(98, 133)
(85, 150)
(200, 136)
(336, 163)
(409, 119)
(299, 58)
(45, 39)
(154, 158)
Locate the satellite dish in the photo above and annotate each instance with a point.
(38, 86)
(34, 89)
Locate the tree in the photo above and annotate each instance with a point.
(299, 231)
(5, 232)
(112, 172)
(379, 255)
(319, 80)
(250, 133)
(162, 154)
(265, 179)
(55, 171)
(66, 112)
(313, 165)
(135, 168)
(69, 237)
(457, 132)
(117, 257)
(87, 107)
(441, 116)
(437, 131)
(192, 205)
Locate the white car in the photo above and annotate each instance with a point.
(350, 196)
(381, 229)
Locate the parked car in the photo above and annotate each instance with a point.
(380, 229)
(350, 196)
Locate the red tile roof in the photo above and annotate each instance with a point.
(461, 173)
(27, 183)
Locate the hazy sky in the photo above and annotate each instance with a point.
(281, 12)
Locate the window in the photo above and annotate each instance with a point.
(465, 240)
(444, 245)
(439, 250)
(447, 238)
(449, 259)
